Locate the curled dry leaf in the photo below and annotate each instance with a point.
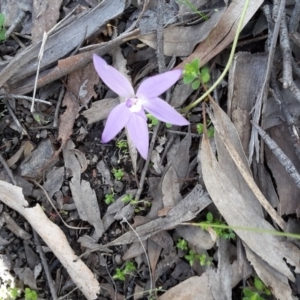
(52, 235)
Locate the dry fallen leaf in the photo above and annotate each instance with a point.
(67, 119)
(52, 235)
(181, 40)
(81, 83)
(223, 34)
(83, 195)
(45, 14)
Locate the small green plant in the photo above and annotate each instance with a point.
(127, 199)
(191, 257)
(210, 130)
(193, 8)
(204, 260)
(30, 294)
(223, 233)
(127, 269)
(14, 292)
(2, 30)
(123, 146)
(153, 121)
(109, 199)
(118, 173)
(257, 292)
(192, 74)
(182, 244)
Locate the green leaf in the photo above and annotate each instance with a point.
(205, 76)
(196, 84)
(2, 35)
(195, 64)
(258, 284)
(209, 217)
(199, 128)
(2, 20)
(247, 292)
(188, 78)
(168, 125)
(210, 132)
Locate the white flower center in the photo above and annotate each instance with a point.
(134, 104)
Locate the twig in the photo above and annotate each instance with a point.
(276, 7)
(282, 158)
(160, 37)
(147, 258)
(286, 113)
(7, 169)
(58, 104)
(295, 18)
(52, 204)
(254, 143)
(23, 131)
(286, 54)
(21, 97)
(296, 68)
(45, 265)
(194, 135)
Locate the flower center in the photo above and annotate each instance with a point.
(134, 104)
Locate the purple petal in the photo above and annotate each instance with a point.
(116, 121)
(161, 110)
(138, 132)
(156, 85)
(113, 78)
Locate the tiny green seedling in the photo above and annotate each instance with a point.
(14, 292)
(210, 130)
(121, 273)
(204, 260)
(127, 199)
(30, 294)
(192, 74)
(109, 199)
(223, 233)
(118, 174)
(191, 257)
(193, 8)
(182, 244)
(123, 146)
(2, 30)
(257, 292)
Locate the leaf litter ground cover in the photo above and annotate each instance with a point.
(208, 210)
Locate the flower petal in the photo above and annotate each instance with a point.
(156, 85)
(116, 121)
(138, 132)
(113, 78)
(161, 110)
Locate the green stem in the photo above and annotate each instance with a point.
(189, 107)
(253, 229)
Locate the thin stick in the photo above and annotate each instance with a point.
(45, 265)
(147, 258)
(52, 204)
(8, 170)
(21, 97)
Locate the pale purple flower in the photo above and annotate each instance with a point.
(130, 113)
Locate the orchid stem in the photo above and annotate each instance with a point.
(236, 37)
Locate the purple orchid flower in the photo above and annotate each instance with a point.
(130, 113)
